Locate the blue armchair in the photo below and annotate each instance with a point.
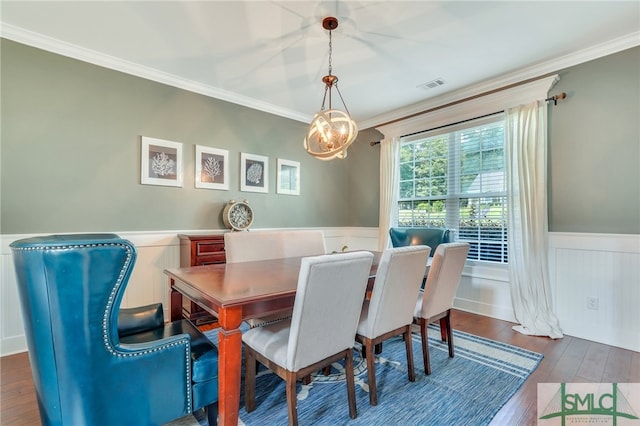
(93, 364)
(431, 237)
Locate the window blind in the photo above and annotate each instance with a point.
(454, 177)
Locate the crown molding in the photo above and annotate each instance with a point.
(40, 41)
(53, 45)
(534, 71)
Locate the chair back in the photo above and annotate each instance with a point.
(307, 242)
(393, 299)
(263, 245)
(431, 237)
(443, 278)
(70, 288)
(331, 289)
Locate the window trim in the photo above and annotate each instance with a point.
(447, 109)
(451, 136)
(472, 108)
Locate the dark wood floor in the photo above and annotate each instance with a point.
(568, 360)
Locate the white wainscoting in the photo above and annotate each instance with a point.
(606, 267)
(157, 251)
(484, 289)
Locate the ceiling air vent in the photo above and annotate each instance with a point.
(432, 84)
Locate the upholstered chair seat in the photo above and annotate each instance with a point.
(139, 319)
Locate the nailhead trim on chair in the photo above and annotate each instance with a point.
(105, 318)
(112, 349)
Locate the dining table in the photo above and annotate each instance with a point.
(233, 293)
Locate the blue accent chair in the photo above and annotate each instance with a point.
(93, 363)
(431, 237)
(420, 236)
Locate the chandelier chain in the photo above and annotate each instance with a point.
(330, 52)
(343, 103)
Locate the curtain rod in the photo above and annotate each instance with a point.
(554, 98)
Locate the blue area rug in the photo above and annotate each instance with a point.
(468, 389)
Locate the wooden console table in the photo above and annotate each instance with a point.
(198, 250)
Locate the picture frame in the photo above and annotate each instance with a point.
(161, 162)
(288, 177)
(254, 173)
(212, 168)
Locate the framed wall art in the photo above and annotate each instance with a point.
(161, 162)
(254, 173)
(212, 168)
(288, 178)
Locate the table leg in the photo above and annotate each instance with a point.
(175, 308)
(229, 365)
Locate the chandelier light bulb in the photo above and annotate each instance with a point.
(330, 134)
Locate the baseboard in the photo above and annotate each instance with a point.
(486, 309)
(13, 345)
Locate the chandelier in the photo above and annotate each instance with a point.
(331, 130)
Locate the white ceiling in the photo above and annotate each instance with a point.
(271, 55)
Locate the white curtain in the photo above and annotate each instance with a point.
(389, 176)
(526, 152)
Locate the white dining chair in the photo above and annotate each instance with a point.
(436, 300)
(321, 331)
(264, 245)
(389, 311)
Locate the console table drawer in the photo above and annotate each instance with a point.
(204, 248)
(209, 259)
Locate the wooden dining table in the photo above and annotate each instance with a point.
(235, 292)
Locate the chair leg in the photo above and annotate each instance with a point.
(292, 401)
(447, 321)
(443, 329)
(425, 345)
(409, 347)
(351, 384)
(212, 414)
(250, 381)
(379, 348)
(371, 371)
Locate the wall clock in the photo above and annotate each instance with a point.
(237, 215)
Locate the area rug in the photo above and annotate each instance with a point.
(468, 389)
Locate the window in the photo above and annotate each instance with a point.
(454, 177)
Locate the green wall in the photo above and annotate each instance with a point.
(364, 180)
(70, 153)
(594, 147)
